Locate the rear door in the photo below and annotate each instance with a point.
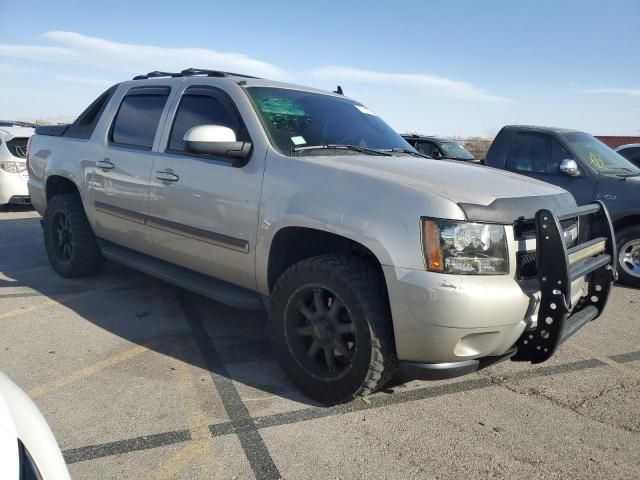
(539, 155)
(120, 183)
(203, 211)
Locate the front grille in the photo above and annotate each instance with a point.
(526, 261)
(526, 229)
(526, 265)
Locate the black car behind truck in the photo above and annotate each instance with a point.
(439, 148)
(588, 169)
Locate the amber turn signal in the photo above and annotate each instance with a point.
(431, 245)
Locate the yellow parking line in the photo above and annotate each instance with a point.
(62, 299)
(171, 467)
(201, 441)
(38, 306)
(87, 371)
(196, 418)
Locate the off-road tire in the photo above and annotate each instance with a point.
(360, 286)
(85, 258)
(624, 236)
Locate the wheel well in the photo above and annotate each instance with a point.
(292, 244)
(57, 185)
(626, 222)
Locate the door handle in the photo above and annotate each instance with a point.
(167, 176)
(105, 164)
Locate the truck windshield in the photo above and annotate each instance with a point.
(295, 119)
(598, 156)
(453, 150)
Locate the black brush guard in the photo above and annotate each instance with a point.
(557, 267)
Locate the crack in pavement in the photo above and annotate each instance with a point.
(577, 409)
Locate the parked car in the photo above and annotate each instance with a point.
(439, 148)
(368, 257)
(28, 449)
(631, 152)
(13, 169)
(588, 169)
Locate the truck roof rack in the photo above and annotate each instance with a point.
(191, 72)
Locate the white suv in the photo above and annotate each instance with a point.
(13, 167)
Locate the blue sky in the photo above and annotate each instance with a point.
(440, 67)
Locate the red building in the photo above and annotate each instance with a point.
(615, 142)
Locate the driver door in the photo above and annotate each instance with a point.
(203, 209)
(539, 156)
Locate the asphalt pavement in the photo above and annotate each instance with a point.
(140, 379)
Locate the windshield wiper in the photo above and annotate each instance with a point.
(404, 150)
(332, 146)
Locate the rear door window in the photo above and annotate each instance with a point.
(17, 146)
(86, 123)
(136, 122)
(529, 153)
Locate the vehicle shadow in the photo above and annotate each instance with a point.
(147, 312)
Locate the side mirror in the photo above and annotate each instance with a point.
(570, 167)
(216, 140)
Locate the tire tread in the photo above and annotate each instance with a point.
(87, 258)
(365, 281)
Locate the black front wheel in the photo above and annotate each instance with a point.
(71, 245)
(629, 256)
(331, 328)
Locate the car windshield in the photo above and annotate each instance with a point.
(295, 119)
(597, 155)
(453, 150)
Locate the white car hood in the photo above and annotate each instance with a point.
(9, 457)
(21, 419)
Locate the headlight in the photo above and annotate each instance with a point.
(451, 246)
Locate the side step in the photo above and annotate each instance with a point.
(577, 321)
(212, 288)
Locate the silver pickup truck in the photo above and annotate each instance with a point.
(369, 257)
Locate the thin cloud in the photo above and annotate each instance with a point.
(86, 80)
(8, 68)
(70, 48)
(628, 92)
(425, 83)
(75, 48)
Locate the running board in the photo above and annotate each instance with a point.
(209, 287)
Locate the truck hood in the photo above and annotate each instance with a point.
(459, 182)
(484, 194)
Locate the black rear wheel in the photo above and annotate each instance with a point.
(331, 327)
(71, 245)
